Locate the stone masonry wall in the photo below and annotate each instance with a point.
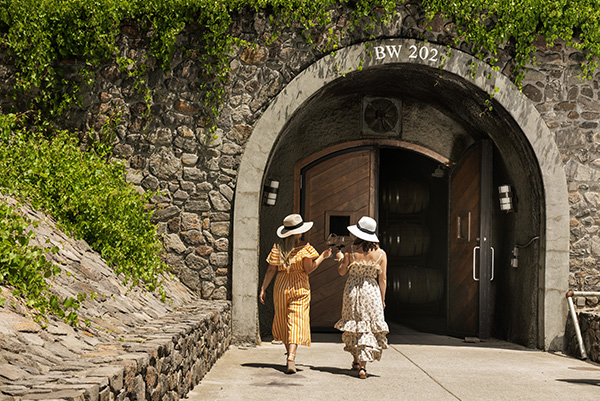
(161, 360)
(571, 108)
(167, 150)
(128, 345)
(198, 179)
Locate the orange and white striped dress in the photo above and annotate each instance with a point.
(291, 296)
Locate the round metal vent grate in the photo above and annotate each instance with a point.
(381, 115)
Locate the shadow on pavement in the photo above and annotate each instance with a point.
(280, 368)
(592, 382)
(337, 371)
(402, 335)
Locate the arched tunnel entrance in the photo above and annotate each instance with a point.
(409, 194)
(437, 120)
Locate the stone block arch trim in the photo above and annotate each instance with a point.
(555, 229)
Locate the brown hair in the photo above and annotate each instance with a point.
(286, 246)
(366, 245)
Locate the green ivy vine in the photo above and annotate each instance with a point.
(522, 26)
(43, 36)
(47, 38)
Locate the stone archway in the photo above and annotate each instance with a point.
(555, 257)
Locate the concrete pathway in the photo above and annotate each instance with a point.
(416, 367)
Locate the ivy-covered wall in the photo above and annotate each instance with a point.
(170, 147)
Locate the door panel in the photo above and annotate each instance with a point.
(469, 244)
(485, 244)
(341, 185)
(463, 295)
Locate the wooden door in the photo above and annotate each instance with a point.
(336, 191)
(470, 256)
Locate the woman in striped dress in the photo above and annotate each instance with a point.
(292, 260)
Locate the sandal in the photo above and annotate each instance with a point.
(355, 365)
(291, 363)
(362, 373)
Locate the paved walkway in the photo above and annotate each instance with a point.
(416, 367)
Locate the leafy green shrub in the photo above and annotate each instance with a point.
(87, 195)
(24, 268)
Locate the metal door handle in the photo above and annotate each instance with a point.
(492, 263)
(474, 262)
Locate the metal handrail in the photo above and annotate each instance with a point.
(570, 294)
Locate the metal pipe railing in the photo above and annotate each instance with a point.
(570, 295)
(586, 294)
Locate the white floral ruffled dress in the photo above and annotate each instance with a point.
(362, 321)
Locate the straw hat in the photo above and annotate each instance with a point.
(365, 229)
(293, 224)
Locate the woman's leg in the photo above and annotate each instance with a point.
(292, 351)
(355, 363)
(362, 372)
(291, 358)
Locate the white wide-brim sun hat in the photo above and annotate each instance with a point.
(365, 229)
(293, 224)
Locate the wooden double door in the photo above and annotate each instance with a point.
(338, 188)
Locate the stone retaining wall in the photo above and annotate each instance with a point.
(128, 345)
(162, 360)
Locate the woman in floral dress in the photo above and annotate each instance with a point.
(363, 323)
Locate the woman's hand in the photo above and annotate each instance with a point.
(262, 296)
(339, 255)
(271, 270)
(310, 265)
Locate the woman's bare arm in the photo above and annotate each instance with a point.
(383, 276)
(271, 270)
(344, 262)
(310, 265)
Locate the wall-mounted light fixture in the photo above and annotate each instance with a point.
(270, 191)
(506, 198)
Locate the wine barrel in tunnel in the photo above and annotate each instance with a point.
(404, 197)
(405, 240)
(414, 285)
